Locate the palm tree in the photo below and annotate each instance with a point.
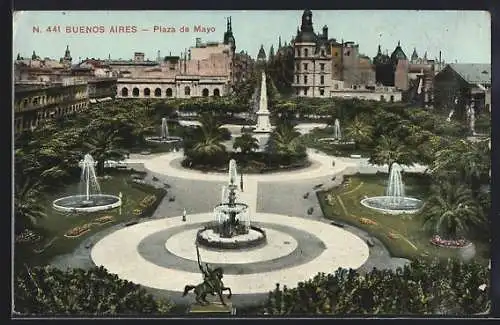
(102, 146)
(27, 208)
(451, 211)
(390, 151)
(359, 131)
(207, 144)
(285, 140)
(246, 143)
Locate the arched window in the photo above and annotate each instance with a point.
(306, 52)
(392, 98)
(147, 92)
(135, 92)
(168, 92)
(124, 92)
(205, 92)
(382, 98)
(157, 92)
(216, 92)
(187, 91)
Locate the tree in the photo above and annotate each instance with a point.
(359, 131)
(206, 146)
(50, 291)
(27, 208)
(246, 143)
(451, 210)
(285, 140)
(389, 151)
(102, 146)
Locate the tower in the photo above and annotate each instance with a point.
(67, 56)
(261, 56)
(229, 37)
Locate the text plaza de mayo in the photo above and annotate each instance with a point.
(323, 67)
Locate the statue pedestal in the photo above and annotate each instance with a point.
(212, 308)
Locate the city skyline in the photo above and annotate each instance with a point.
(428, 31)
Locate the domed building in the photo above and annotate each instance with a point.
(325, 67)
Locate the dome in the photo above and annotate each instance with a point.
(398, 54)
(306, 37)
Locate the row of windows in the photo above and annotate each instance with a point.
(297, 91)
(168, 92)
(306, 53)
(321, 79)
(26, 123)
(306, 65)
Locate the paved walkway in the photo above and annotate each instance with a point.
(119, 254)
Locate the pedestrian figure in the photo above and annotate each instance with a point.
(184, 215)
(241, 182)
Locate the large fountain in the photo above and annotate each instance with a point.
(91, 199)
(165, 136)
(231, 228)
(395, 201)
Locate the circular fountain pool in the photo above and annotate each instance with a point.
(164, 136)
(82, 203)
(393, 205)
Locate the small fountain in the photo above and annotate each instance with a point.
(164, 137)
(231, 227)
(91, 200)
(337, 135)
(395, 201)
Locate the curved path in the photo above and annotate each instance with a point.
(118, 252)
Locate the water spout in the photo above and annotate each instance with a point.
(337, 135)
(88, 177)
(164, 128)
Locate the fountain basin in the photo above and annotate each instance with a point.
(207, 237)
(80, 203)
(335, 141)
(226, 208)
(169, 139)
(393, 205)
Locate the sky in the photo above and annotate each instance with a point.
(461, 36)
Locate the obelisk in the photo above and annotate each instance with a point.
(263, 123)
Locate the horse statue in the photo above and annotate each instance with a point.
(212, 284)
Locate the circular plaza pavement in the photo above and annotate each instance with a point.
(161, 253)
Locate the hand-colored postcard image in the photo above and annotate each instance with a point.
(251, 163)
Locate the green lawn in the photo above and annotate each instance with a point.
(408, 239)
(56, 224)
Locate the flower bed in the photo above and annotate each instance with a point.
(104, 219)
(77, 231)
(449, 243)
(367, 221)
(147, 201)
(28, 236)
(137, 212)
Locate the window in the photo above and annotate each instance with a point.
(205, 92)
(297, 67)
(187, 91)
(135, 92)
(168, 93)
(298, 52)
(147, 92)
(216, 92)
(354, 87)
(305, 92)
(322, 80)
(321, 92)
(305, 80)
(306, 52)
(157, 92)
(392, 98)
(124, 92)
(347, 53)
(336, 86)
(322, 66)
(322, 52)
(305, 66)
(298, 77)
(382, 98)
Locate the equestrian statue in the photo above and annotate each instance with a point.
(212, 283)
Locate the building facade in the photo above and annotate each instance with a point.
(38, 101)
(327, 68)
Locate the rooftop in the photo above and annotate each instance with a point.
(474, 73)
